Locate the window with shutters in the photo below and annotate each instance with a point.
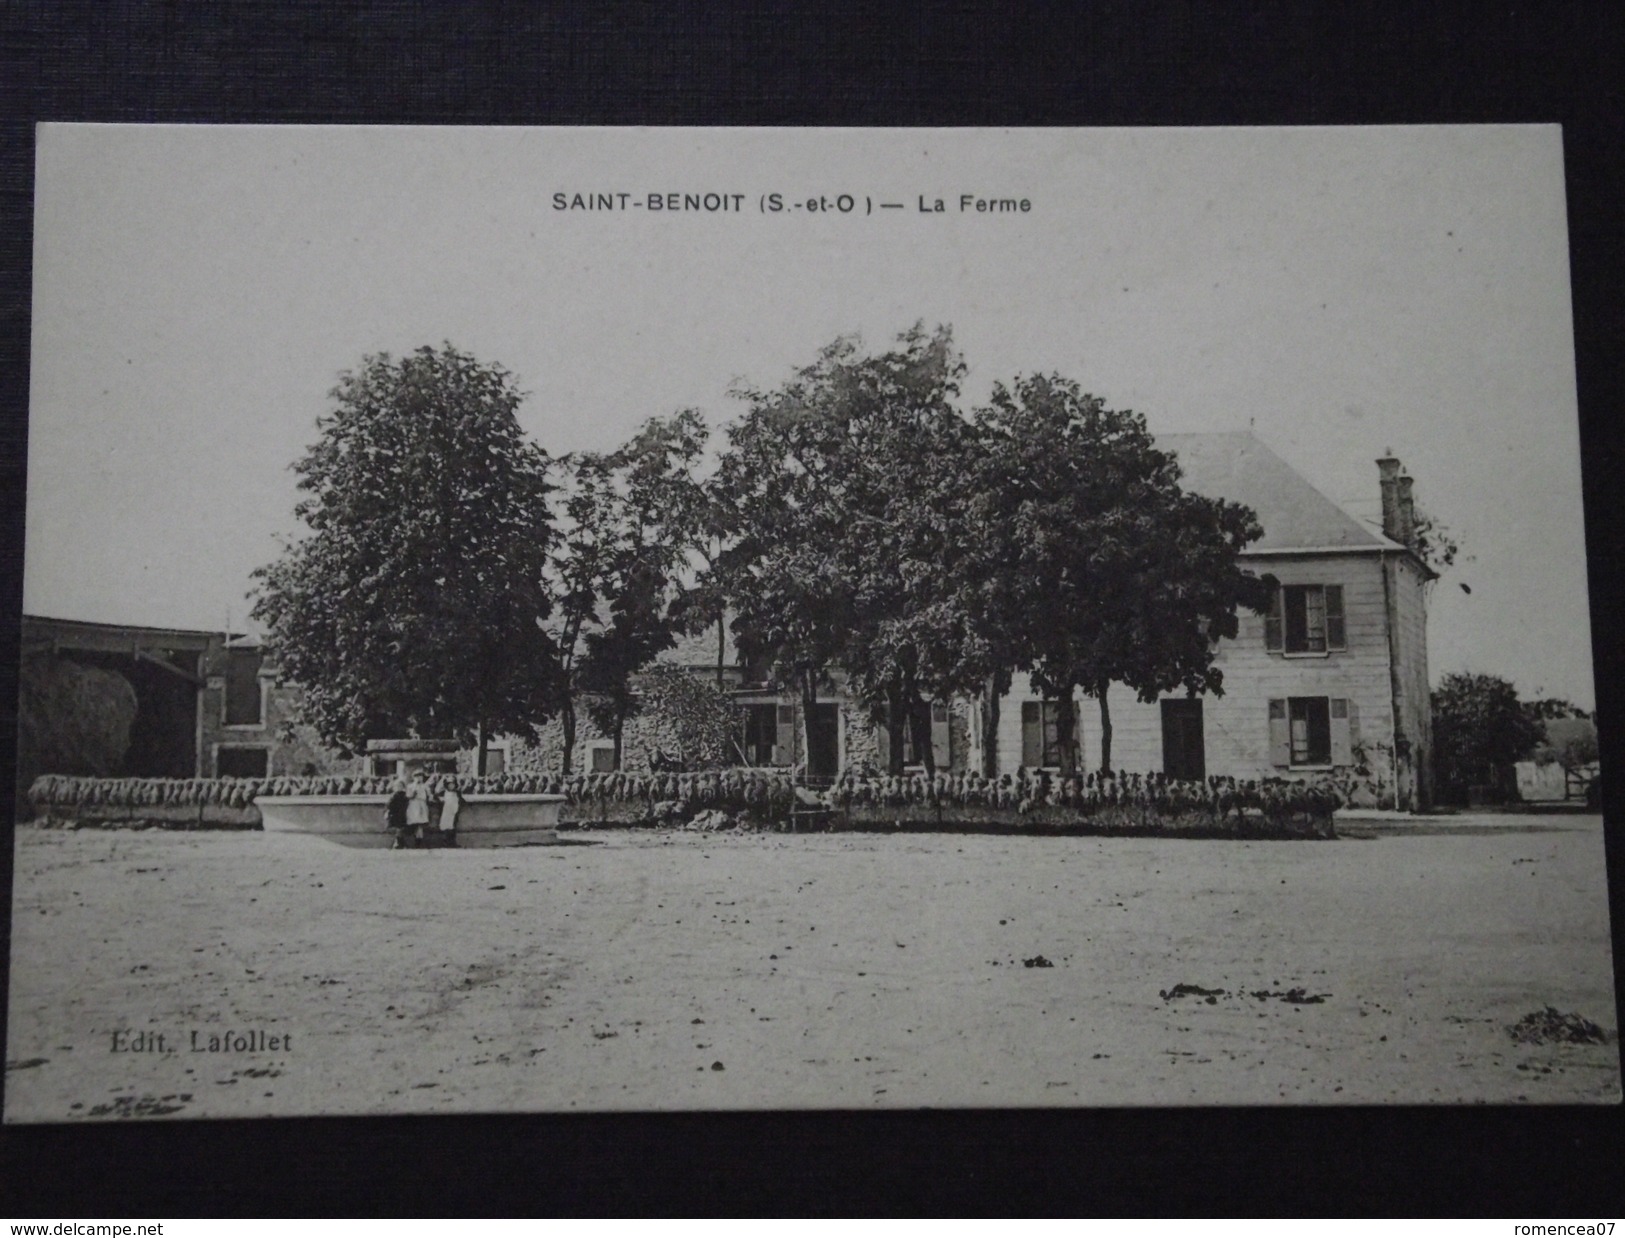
(940, 754)
(1306, 620)
(1040, 736)
(1313, 731)
(784, 744)
(761, 733)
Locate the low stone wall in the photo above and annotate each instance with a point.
(355, 806)
(151, 817)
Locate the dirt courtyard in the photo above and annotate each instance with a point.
(639, 970)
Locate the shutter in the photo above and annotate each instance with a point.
(1272, 623)
(1336, 629)
(882, 746)
(1280, 734)
(1032, 735)
(784, 741)
(1052, 732)
(1354, 725)
(939, 735)
(1342, 753)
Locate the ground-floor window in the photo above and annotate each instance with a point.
(603, 758)
(941, 752)
(761, 733)
(1311, 720)
(1040, 733)
(1312, 730)
(241, 761)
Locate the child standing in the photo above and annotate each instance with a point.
(450, 806)
(395, 815)
(417, 808)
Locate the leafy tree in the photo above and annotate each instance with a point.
(847, 486)
(636, 632)
(1480, 729)
(1112, 571)
(414, 604)
(913, 637)
(782, 481)
(637, 515)
(695, 515)
(582, 557)
(1547, 708)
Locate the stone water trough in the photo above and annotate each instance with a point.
(358, 820)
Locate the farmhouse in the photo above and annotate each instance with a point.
(1332, 682)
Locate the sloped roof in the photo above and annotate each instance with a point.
(1236, 466)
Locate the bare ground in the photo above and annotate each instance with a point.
(674, 970)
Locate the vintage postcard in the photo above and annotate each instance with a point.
(593, 619)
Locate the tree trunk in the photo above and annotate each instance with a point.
(620, 728)
(479, 750)
(721, 649)
(919, 718)
(990, 727)
(1066, 732)
(1105, 729)
(567, 717)
(895, 722)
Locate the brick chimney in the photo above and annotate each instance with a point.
(1398, 508)
(1406, 534)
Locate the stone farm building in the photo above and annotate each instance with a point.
(1333, 681)
(116, 699)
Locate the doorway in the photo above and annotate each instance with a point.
(824, 741)
(1184, 757)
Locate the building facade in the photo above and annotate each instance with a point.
(183, 703)
(1332, 682)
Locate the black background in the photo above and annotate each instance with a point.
(398, 61)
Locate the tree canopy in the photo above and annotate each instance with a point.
(859, 525)
(846, 486)
(647, 517)
(1105, 569)
(1480, 729)
(413, 605)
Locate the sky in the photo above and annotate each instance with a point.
(1340, 292)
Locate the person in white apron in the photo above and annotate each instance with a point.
(450, 805)
(417, 808)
